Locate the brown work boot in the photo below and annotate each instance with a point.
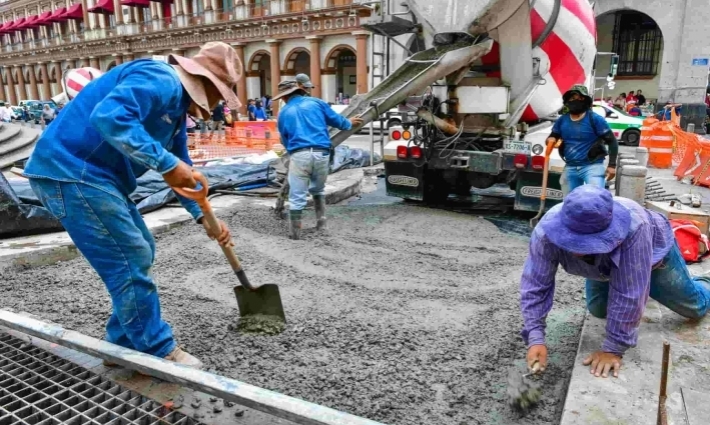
(183, 358)
(177, 356)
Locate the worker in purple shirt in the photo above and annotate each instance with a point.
(626, 252)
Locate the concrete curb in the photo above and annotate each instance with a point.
(39, 250)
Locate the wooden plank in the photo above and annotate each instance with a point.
(697, 407)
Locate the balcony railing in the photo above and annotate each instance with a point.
(262, 10)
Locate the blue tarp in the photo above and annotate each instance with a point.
(21, 213)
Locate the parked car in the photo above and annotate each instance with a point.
(626, 128)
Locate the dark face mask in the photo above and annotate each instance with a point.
(577, 106)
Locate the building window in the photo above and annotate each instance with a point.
(638, 42)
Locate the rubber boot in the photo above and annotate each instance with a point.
(295, 224)
(319, 203)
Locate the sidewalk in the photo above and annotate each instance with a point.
(52, 247)
(632, 399)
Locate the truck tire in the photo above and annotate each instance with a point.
(436, 190)
(631, 137)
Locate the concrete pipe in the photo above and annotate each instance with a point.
(642, 156)
(633, 183)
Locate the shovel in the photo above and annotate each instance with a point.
(545, 173)
(264, 300)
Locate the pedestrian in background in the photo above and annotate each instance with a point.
(251, 109)
(584, 136)
(620, 102)
(626, 252)
(303, 124)
(640, 98)
(259, 111)
(47, 114)
(190, 124)
(5, 115)
(217, 117)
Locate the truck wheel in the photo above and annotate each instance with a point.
(436, 190)
(631, 137)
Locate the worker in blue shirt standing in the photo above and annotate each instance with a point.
(584, 135)
(303, 125)
(84, 168)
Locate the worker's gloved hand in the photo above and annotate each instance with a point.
(180, 176)
(602, 362)
(224, 237)
(537, 354)
(610, 173)
(356, 121)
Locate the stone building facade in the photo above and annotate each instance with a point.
(275, 40)
(664, 47)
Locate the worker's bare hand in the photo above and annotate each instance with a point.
(356, 121)
(610, 173)
(602, 362)
(224, 237)
(537, 358)
(180, 176)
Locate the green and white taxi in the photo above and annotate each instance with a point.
(625, 127)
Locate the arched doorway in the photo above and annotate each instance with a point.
(111, 65)
(638, 40)
(298, 61)
(259, 75)
(339, 77)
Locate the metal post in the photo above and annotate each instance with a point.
(662, 418)
(372, 142)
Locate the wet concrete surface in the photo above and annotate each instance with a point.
(399, 313)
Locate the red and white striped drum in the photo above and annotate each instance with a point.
(75, 79)
(566, 56)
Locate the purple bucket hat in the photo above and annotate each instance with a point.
(589, 222)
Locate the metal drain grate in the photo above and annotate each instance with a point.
(37, 387)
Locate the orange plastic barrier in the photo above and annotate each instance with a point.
(659, 139)
(239, 140)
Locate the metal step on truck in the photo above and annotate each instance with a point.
(492, 68)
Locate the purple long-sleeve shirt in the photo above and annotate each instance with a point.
(627, 269)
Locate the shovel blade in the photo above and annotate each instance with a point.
(265, 300)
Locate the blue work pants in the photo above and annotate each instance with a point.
(671, 285)
(575, 176)
(111, 234)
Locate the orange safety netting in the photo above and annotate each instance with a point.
(670, 146)
(244, 138)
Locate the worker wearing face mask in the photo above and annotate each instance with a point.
(584, 136)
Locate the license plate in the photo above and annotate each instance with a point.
(517, 146)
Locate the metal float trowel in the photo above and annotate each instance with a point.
(264, 300)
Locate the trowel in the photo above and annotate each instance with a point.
(264, 300)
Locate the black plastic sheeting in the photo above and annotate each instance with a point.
(22, 214)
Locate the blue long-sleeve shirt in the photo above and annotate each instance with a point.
(304, 121)
(627, 269)
(119, 126)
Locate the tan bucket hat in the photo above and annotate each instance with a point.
(217, 62)
(287, 87)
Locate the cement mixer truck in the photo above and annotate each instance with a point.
(73, 80)
(490, 67)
